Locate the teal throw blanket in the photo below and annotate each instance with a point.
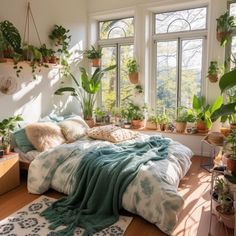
(102, 177)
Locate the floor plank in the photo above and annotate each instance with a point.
(193, 219)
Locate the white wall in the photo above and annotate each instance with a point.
(35, 99)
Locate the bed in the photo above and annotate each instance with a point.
(152, 194)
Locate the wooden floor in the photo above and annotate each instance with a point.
(193, 219)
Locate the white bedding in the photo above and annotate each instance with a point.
(152, 194)
(27, 157)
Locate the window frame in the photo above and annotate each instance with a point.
(179, 37)
(117, 43)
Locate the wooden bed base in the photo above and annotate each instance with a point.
(24, 165)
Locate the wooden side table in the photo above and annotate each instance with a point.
(9, 172)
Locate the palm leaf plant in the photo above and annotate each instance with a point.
(86, 89)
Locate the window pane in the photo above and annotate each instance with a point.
(167, 76)
(233, 53)
(191, 70)
(185, 20)
(232, 10)
(116, 28)
(109, 78)
(126, 52)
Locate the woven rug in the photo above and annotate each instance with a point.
(28, 222)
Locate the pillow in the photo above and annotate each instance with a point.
(44, 135)
(22, 141)
(111, 133)
(73, 128)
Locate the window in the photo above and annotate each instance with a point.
(179, 52)
(116, 42)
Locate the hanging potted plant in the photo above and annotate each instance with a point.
(87, 95)
(213, 72)
(46, 53)
(225, 24)
(6, 127)
(95, 56)
(132, 67)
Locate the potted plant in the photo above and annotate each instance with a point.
(95, 56)
(99, 115)
(213, 71)
(225, 24)
(137, 114)
(46, 53)
(87, 95)
(132, 67)
(162, 121)
(203, 112)
(116, 115)
(184, 115)
(6, 127)
(126, 115)
(230, 147)
(151, 122)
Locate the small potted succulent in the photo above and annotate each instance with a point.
(225, 24)
(213, 72)
(94, 55)
(6, 127)
(184, 115)
(132, 67)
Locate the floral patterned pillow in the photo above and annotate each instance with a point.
(111, 133)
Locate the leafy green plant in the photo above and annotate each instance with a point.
(231, 142)
(99, 113)
(185, 115)
(203, 111)
(132, 66)
(11, 35)
(16, 59)
(225, 24)
(132, 112)
(3, 43)
(6, 127)
(93, 53)
(152, 119)
(86, 89)
(162, 119)
(213, 71)
(46, 52)
(138, 88)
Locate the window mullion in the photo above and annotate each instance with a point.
(118, 75)
(179, 72)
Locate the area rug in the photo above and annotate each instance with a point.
(28, 222)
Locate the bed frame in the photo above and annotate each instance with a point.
(24, 165)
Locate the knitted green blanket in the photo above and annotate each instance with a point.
(102, 177)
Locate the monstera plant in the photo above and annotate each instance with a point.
(85, 90)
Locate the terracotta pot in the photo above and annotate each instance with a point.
(162, 127)
(180, 127)
(151, 125)
(46, 59)
(201, 127)
(221, 35)
(224, 131)
(137, 124)
(133, 77)
(231, 164)
(96, 62)
(7, 149)
(228, 219)
(233, 126)
(213, 78)
(90, 123)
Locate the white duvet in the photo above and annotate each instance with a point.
(152, 194)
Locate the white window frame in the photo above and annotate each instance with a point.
(116, 42)
(179, 36)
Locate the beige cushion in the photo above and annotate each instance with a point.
(111, 133)
(45, 135)
(73, 129)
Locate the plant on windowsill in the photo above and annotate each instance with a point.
(99, 115)
(151, 122)
(6, 127)
(225, 24)
(184, 115)
(94, 55)
(203, 112)
(213, 72)
(86, 90)
(230, 150)
(162, 120)
(132, 67)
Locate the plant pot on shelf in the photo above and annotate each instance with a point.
(213, 78)
(201, 127)
(96, 62)
(180, 127)
(231, 164)
(233, 127)
(90, 122)
(137, 124)
(228, 219)
(133, 77)
(7, 149)
(151, 125)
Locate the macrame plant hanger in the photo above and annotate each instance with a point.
(26, 36)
